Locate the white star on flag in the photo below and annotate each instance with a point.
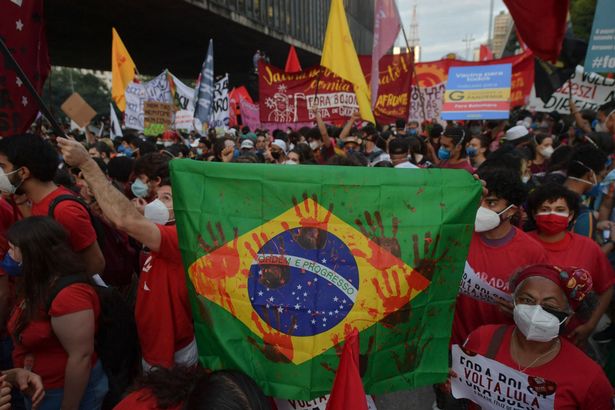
(271, 299)
(24, 101)
(335, 299)
(260, 293)
(313, 322)
(324, 261)
(18, 82)
(19, 25)
(299, 287)
(281, 309)
(297, 306)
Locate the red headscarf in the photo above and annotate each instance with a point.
(575, 282)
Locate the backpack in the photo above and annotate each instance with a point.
(121, 259)
(116, 342)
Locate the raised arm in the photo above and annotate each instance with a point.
(116, 207)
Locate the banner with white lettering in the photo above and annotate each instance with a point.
(492, 385)
(589, 90)
(479, 287)
(317, 404)
(220, 111)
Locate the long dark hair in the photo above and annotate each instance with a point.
(46, 255)
(199, 390)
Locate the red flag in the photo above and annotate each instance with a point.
(348, 392)
(23, 32)
(541, 25)
(292, 61)
(485, 53)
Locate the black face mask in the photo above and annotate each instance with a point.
(560, 317)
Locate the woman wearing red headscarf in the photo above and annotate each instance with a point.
(545, 297)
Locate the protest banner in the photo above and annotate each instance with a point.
(319, 403)
(432, 77)
(290, 97)
(477, 93)
(287, 280)
(185, 120)
(394, 82)
(220, 108)
(492, 385)
(589, 90)
(137, 94)
(249, 114)
(78, 110)
(474, 286)
(157, 117)
(183, 95)
(600, 57)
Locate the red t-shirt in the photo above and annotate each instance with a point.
(71, 215)
(142, 399)
(163, 315)
(494, 265)
(460, 165)
(39, 343)
(581, 383)
(582, 252)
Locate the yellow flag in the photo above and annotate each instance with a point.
(122, 70)
(340, 56)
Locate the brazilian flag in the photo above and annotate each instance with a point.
(284, 261)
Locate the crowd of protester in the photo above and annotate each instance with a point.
(80, 213)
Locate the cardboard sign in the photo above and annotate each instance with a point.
(158, 117)
(478, 93)
(492, 385)
(78, 110)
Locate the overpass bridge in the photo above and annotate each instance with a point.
(174, 34)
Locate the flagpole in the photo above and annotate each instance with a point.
(24, 78)
(418, 87)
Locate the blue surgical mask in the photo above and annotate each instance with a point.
(11, 266)
(471, 151)
(125, 150)
(444, 154)
(139, 188)
(412, 131)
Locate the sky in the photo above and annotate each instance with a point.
(444, 23)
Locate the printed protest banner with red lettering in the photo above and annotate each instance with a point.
(290, 97)
(589, 90)
(475, 286)
(492, 385)
(432, 77)
(395, 78)
(319, 403)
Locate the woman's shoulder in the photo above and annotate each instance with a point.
(74, 298)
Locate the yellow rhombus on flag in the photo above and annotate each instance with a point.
(340, 56)
(122, 70)
(225, 275)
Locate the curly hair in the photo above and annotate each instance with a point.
(551, 192)
(505, 184)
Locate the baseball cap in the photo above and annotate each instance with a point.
(516, 132)
(246, 144)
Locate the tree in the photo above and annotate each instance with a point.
(63, 81)
(582, 16)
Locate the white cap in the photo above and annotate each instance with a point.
(280, 144)
(246, 144)
(516, 132)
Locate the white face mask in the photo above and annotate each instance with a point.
(167, 144)
(535, 323)
(290, 162)
(486, 219)
(314, 145)
(525, 178)
(157, 212)
(547, 152)
(5, 183)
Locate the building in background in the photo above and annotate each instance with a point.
(502, 27)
